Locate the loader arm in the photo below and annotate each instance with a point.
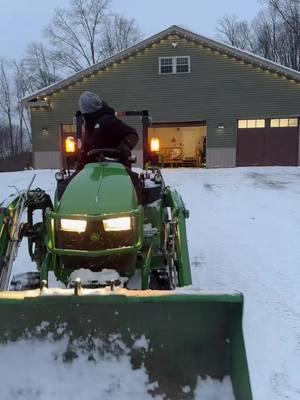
(12, 229)
(177, 217)
(9, 215)
(11, 211)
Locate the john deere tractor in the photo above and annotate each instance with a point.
(110, 262)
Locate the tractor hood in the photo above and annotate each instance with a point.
(100, 188)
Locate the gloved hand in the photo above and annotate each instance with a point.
(125, 151)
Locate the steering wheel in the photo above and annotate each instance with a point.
(115, 154)
(110, 153)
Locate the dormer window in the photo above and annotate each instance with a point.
(174, 65)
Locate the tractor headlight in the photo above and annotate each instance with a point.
(117, 224)
(73, 225)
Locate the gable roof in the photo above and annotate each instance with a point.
(172, 30)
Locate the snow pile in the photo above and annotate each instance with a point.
(88, 277)
(141, 343)
(32, 370)
(41, 367)
(211, 389)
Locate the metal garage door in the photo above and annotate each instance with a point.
(267, 146)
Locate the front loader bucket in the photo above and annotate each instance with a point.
(186, 344)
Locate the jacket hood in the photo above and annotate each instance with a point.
(105, 110)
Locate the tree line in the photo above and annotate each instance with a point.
(77, 36)
(273, 34)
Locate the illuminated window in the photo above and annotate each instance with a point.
(284, 122)
(174, 65)
(251, 123)
(293, 121)
(260, 123)
(275, 123)
(242, 123)
(69, 128)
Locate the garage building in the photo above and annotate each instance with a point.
(210, 104)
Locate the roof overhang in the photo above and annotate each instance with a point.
(36, 99)
(38, 103)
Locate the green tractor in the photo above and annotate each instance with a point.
(110, 262)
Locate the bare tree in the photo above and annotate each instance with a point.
(79, 36)
(86, 32)
(15, 132)
(35, 71)
(267, 35)
(75, 33)
(6, 100)
(289, 13)
(273, 34)
(39, 67)
(22, 88)
(235, 32)
(119, 34)
(5, 149)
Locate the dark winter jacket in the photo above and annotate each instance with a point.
(104, 130)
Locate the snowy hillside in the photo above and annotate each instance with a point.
(244, 233)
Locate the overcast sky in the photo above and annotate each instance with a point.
(22, 21)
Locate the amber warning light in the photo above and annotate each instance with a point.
(70, 144)
(154, 144)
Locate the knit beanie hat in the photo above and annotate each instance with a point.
(89, 102)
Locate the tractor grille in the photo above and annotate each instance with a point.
(125, 263)
(95, 238)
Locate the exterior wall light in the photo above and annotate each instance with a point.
(70, 145)
(44, 131)
(154, 145)
(220, 125)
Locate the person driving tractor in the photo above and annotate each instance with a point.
(104, 130)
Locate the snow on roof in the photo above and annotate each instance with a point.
(174, 29)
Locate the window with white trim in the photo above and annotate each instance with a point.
(182, 64)
(174, 65)
(166, 65)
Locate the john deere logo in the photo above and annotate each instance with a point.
(95, 237)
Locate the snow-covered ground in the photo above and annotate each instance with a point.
(243, 231)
